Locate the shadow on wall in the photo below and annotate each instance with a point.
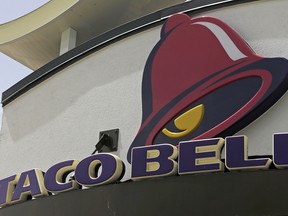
(85, 91)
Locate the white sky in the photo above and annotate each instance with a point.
(11, 71)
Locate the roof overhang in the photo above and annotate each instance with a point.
(34, 39)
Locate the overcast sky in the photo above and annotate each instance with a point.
(10, 70)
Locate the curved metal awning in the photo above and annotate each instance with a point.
(34, 39)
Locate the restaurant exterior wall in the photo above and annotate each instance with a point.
(64, 115)
(61, 118)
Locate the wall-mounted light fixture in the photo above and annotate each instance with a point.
(108, 141)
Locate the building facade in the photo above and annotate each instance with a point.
(133, 69)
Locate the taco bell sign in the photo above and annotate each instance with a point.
(191, 157)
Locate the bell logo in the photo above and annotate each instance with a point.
(202, 80)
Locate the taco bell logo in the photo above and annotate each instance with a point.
(202, 80)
